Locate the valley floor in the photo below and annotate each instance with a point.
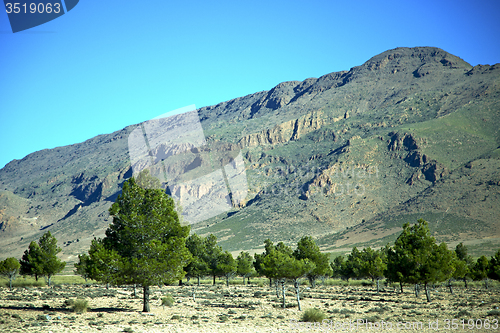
(248, 309)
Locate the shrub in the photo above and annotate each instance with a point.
(80, 305)
(463, 314)
(167, 300)
(313, 315)
(494, 312)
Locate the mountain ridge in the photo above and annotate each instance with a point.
(417, 114)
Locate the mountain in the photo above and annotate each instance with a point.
(347, 158)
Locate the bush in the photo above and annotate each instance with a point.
(313, 315)
(167, 300)
(80, 305)
(494, 312)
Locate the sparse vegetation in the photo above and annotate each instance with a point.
(313, 315)
(80, 305)
(167, 300)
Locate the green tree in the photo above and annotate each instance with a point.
(226, 266)
(145, 243)
(103, 264)
(259, 260)
(245, 267)
(416, 258)
(81, 266)
(280, 265)
(51, 264)
(495, 266)
(32, 262)
(373, 265)
(354, 265)
(307, 249)
(338, 266)
(41, 259)
(212, 255)
(198, 267)
(481, 270)
(464, 263)
(9, 268)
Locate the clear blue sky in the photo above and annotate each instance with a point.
(109, 64)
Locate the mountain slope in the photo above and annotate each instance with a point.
(411, 132)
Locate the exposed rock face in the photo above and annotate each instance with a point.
(400, 141)
(433, 171)
(415, 158)
(288, 131)
(329, 180)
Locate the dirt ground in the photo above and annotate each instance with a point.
(248, 309)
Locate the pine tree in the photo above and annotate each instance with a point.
(212, 255)
(198, 267)
(464, 263)
(145, 243)
(81, 266)
(416, 258)
(41, 258)
(338, 266)
(245, 267)
(9, 268)
(373, 265)
(307, 249)
(495, 266)
(226, 266)
(280, 265)
(481, 270)
(32, 262)
(354, 265)
(259, 260)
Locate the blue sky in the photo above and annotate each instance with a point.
(109, 64)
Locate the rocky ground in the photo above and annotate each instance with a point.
(247, 309)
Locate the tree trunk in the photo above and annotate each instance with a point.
(248, 282)
(135, 290)
(270, 283)
(486, 283)
(283, 292)
(416, 290)
(194, 295)
(297, 292)
(107, 285)
(227, 281)
(180, 282)
(49, 280)
(449, 285)
(243, 280)
(401, 285)
(312, 281)
(146, 300)
(214, 280)
(36, 277)
(198, 281)
(427, 293)
(465, 282)
(10, 283)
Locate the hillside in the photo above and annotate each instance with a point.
(347, 157)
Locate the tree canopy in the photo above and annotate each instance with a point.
(145, 243)
(40, 259)
(9, 268)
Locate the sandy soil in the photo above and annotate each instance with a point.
(245, 309)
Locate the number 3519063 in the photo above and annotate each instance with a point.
(32, 8)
